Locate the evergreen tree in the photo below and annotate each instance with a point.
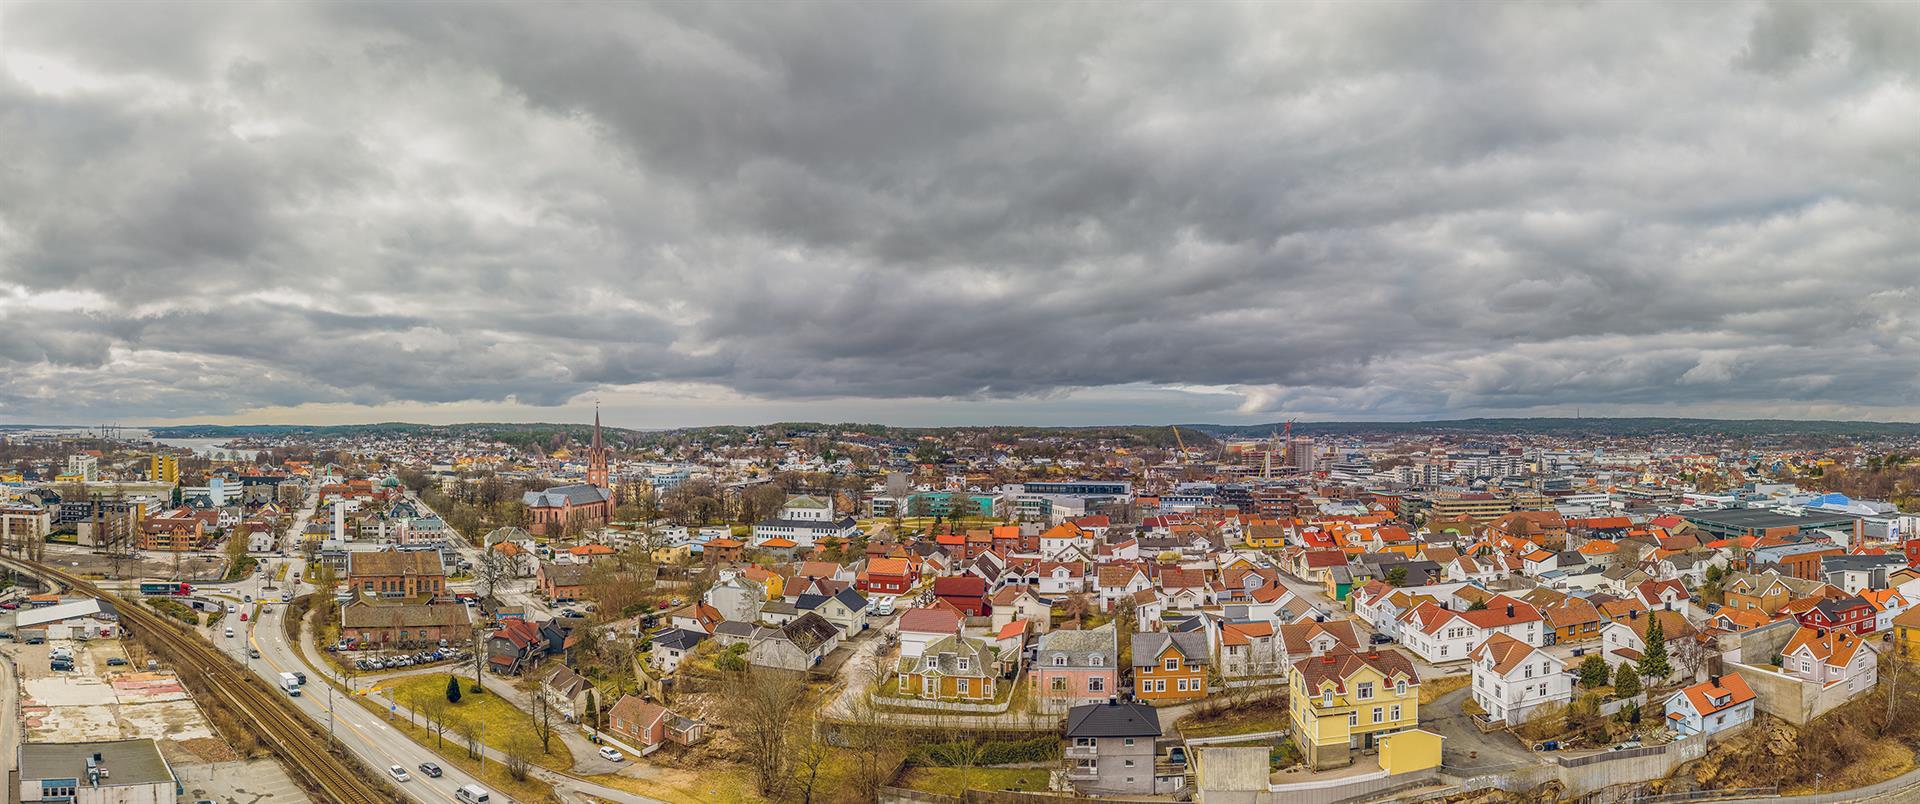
(1626, 682)
(1593, 672)
(1653, 664)
(453, 690)
(1397, 577)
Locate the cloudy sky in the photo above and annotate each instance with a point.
(927, 213)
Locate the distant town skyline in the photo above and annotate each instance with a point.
(957, 213)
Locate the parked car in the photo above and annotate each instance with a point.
(11, 604)
(611, 754)
(116, 661)
(1380, 639)
(430, 769)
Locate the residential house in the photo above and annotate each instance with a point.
(1439, 635)
(1115, 582)
(886, 576)
(798, 645)
(1831, 657)
(1668, 594)
(964, 592)
(1711, 706)
(737, 598)
(647, 725)
(1016, 603)
(562, 583)
(1768, 591)
(1170, 667)
(1570, 620)
(1512, 679)
(1341, 703)
(1110, 750)
(1851, 613)
(567, 692)
(672, 646)
(1249, 649)
(846, 609)
(921, 627)
(1626, 640)
(1075, 667)
(952, 668)
(1316, 638)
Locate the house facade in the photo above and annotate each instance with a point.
(1512, 679)
(1169, 668)
(1110, 750)
(1076, 667)
(1709, 707)
(1340, 704)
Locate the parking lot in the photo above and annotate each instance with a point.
(111, 693)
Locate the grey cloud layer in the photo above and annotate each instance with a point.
(1365, 209)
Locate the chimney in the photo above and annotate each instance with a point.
(1713, 681)
(1327, 659)
(1509, 609)
(1113, 700)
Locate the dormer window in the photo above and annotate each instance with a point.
(964, 662)
(1326, 697)
(1093, 661)
(1059, 660)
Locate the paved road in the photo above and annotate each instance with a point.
(1467, 749)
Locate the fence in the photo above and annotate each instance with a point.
(1708, 795)
(1611, 708)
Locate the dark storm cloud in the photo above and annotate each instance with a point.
(1338, 209)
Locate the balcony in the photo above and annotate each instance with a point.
(1082, 752)
(1080, 773)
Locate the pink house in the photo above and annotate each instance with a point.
(1076, 667)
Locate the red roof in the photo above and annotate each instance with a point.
(960, 586)
(930, 621)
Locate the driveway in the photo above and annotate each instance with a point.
(1467, 750)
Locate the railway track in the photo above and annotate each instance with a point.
(272, 717)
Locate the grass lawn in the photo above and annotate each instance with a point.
(503, 721)
(947, 780)
(1251, 719)
(1431, 688)
(729, 783)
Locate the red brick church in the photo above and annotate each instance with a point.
(592, 502)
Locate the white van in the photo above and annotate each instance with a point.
(471, 793)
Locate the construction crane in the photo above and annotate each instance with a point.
(1182, 460)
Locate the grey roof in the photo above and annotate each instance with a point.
(128, 762)
(808, 524)
(1147, 647)
(851, 599)
(559, 496)
(736, 628)
(942, 657)
(1113, 719)
(86, 607)
(681, 638)
(778, 607)
(808, 631)
(1077, 646)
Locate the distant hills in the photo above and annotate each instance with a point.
(1635, 426)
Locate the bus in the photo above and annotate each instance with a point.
(166, 588)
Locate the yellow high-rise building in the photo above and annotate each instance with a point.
(163, 468)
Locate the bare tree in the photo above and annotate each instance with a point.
(542, 719)
(469, 732)
(519, 757)
(1689, 655)
(758, 708)
(493, 568)
(434, 709)
(877, 748)
(809, 757)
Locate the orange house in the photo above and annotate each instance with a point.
(1169, 668)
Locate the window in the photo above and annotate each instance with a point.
(1059, 684)
(1326, 697)
(1094, 661)
(1366, 690)
(1128, 742)
(1059, 660)
(1096, 684)
(964, 662)
(1352, 720)
(1173, 664)
(1129, 763)
(1529, 671)
(1394, 712)
(1084, 742)
(1378, 714)
(1181, 685)
(1400, 687)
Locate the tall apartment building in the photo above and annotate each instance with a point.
(163, 468)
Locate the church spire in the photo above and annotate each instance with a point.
(597, 455)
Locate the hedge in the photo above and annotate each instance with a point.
(991, 752)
